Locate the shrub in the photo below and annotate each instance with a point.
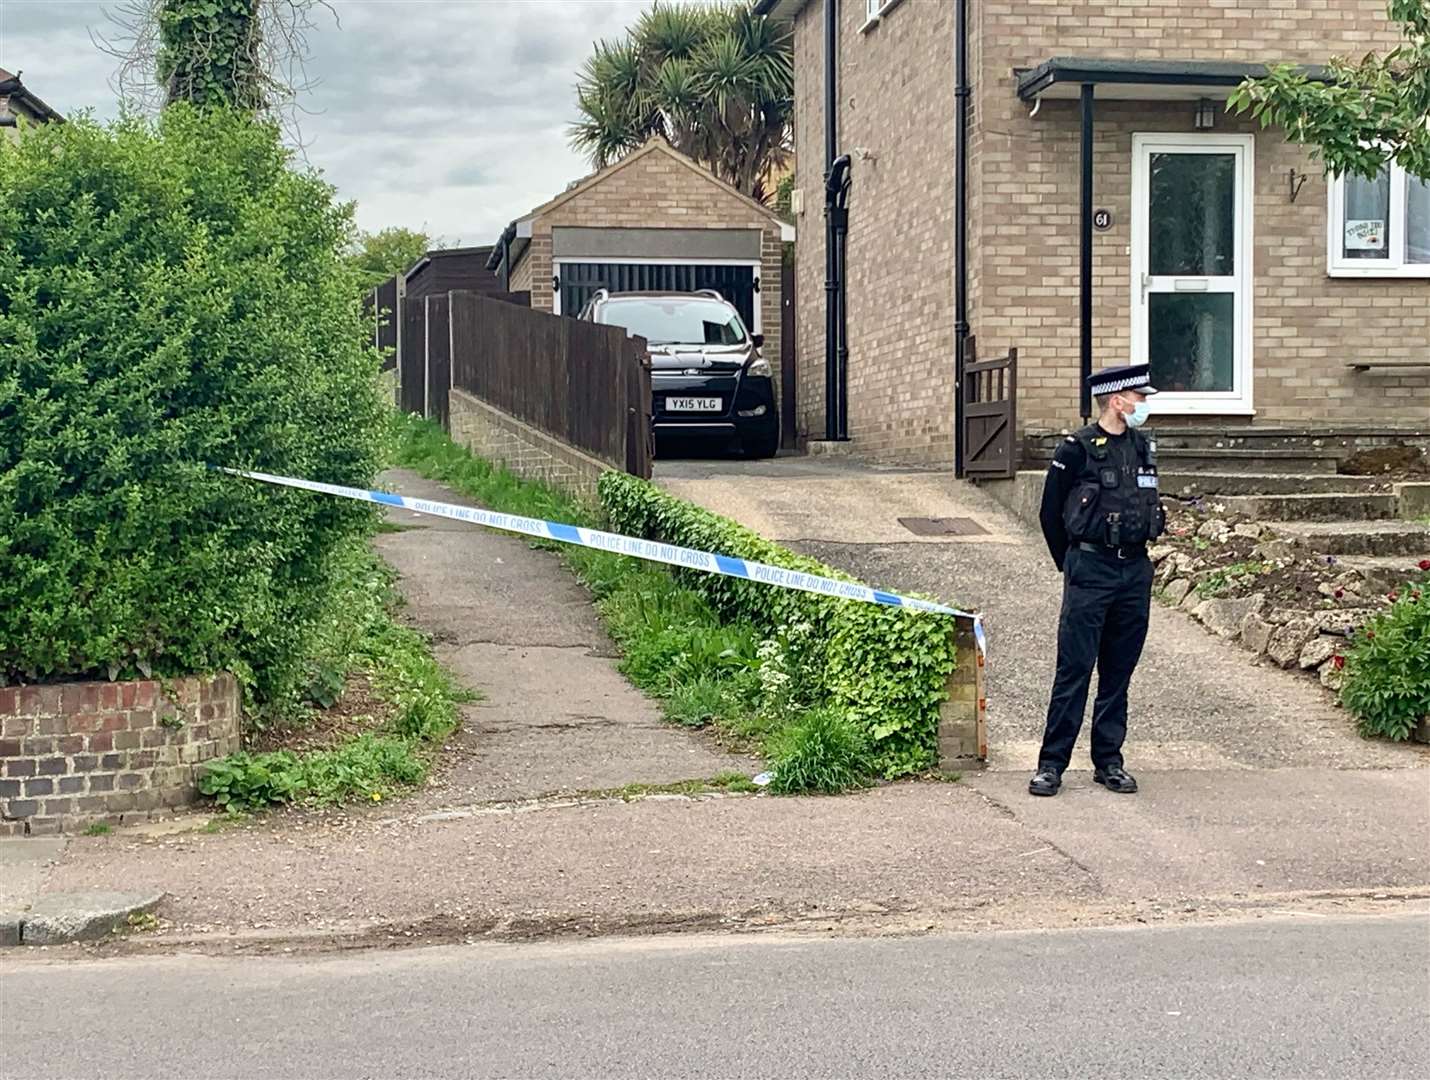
(1387, 683)
(882, 669)
(822, 752)
(173, 295)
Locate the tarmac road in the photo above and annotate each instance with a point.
(1327, 997)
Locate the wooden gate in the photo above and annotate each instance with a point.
(412, 357)
(988, 413)
(439, 356)
(384, 310)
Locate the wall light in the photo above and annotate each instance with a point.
(1206, 114)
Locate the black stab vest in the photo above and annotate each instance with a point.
(1109, 504)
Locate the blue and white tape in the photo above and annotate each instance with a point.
(635, 547)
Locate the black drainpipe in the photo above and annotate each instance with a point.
(836, 220)
(1085, 258)
(960, 234)
(500, 258)
(836, 202)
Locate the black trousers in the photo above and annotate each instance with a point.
(1106, 605)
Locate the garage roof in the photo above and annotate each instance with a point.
(653, 145)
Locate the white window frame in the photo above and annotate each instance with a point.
(756, 265)
(874, 10)
(1395, 266)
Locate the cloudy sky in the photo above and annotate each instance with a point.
(448, 115)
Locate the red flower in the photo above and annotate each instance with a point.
(1340, 593)
(1339, 661)
(1391, 596)
(1424, 564)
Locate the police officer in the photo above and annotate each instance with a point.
(1100, 510)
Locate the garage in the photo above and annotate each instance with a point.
(656, 221)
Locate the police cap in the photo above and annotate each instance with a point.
(1131, 377)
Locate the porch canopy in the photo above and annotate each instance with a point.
(1141, 80)
(1084, 79)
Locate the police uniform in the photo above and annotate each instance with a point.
(1100, 509)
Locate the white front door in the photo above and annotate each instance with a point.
(1191, 270)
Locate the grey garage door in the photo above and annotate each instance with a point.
(580, 280)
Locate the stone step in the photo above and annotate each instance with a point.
(1343, 440)
(1238, 459)
(1326, 506)
(1184, 485)
(1358, 537)
(1382, 573)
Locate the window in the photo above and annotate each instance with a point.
(1380, 227)
(677, 321)
(874, 9)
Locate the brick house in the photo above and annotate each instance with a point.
(653, 220)
(1262, 292)
(17, 101)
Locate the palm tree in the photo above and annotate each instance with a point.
(716, 81)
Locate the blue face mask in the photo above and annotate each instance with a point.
(1138, 416)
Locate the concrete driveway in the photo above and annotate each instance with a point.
(1197, 702)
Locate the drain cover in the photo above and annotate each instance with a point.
(948, 526)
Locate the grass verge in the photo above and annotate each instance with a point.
(413, 706)
(706, 672)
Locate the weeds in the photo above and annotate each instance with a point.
(731, 782)
(822, 752)
(99, 828)
(359, 635)
(1221, 581)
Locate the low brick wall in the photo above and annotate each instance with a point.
(78, 753)
(531, 454)
(962, 719)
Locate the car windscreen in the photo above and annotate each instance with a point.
(677, 321)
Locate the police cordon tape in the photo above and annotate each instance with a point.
(635, 547)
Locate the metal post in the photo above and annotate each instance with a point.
(427, 357)
(841, 226)
(960, 236)
(1085, 275)
(831, 237)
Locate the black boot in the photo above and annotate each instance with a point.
(1115, 778)
(1047, 780)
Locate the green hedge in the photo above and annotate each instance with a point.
(884, 669)
(173, 294)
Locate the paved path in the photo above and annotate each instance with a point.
(511, 622)
(1330, 998)
(1198, 702)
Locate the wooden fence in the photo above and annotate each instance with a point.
(585, 385)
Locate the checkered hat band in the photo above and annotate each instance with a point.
(1120, 384)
